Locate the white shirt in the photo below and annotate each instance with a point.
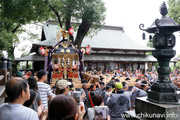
(10, 111)
(91, 113)
(45, 91)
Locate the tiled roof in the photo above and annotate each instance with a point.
(116, 57)
(34, 57)
(113, 39)
(109, 37)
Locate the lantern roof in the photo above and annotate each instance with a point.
(165, 24)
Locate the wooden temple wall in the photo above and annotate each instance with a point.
(123, 66)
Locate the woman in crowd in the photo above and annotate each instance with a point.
(29, 102)
(33, 85)
(97, 101)
(64, 107)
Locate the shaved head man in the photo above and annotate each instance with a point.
(17, 91)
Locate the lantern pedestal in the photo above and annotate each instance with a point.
(147, 110)
(163, 91)
(167, 98)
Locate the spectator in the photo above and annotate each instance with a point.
(29, 102)
(18, 74)
(44, 89)
(62, 87)
(64, 107)
(17, 91)
(97, 101)
(33, 85)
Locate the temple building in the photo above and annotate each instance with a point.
(111, 49)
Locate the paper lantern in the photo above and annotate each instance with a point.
(88, 48)
(71, 31)
(41, 51)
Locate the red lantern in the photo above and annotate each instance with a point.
(41, 51)
(88, 48)
(71, 31)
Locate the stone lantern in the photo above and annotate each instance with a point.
(163, 91)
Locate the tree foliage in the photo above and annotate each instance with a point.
(14, 14)
(174, 10)
(89, 14)
(174, 13)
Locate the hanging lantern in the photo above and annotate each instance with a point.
(150, 38)
(143, 36)
(71, 31)
(41, 51)
(88, 48)
(83, 50)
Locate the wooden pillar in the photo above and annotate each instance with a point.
(125, 66)
(33, 66)
(138, 65)
(104, 66)
(132, 66)
(27, 65)
(9, 68)
(118, 65)
(174, 64)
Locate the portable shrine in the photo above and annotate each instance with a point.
(65, 61)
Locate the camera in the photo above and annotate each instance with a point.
(100, 113)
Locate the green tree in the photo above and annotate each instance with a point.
(178, 63)
(174, 13)
(14, 14)
(88, 14)
(174, 10)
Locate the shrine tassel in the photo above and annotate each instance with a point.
(45, 67)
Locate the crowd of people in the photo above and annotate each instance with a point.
(31, 97)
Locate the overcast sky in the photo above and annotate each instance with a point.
(129, 14)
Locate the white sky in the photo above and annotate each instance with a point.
(129, 14)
